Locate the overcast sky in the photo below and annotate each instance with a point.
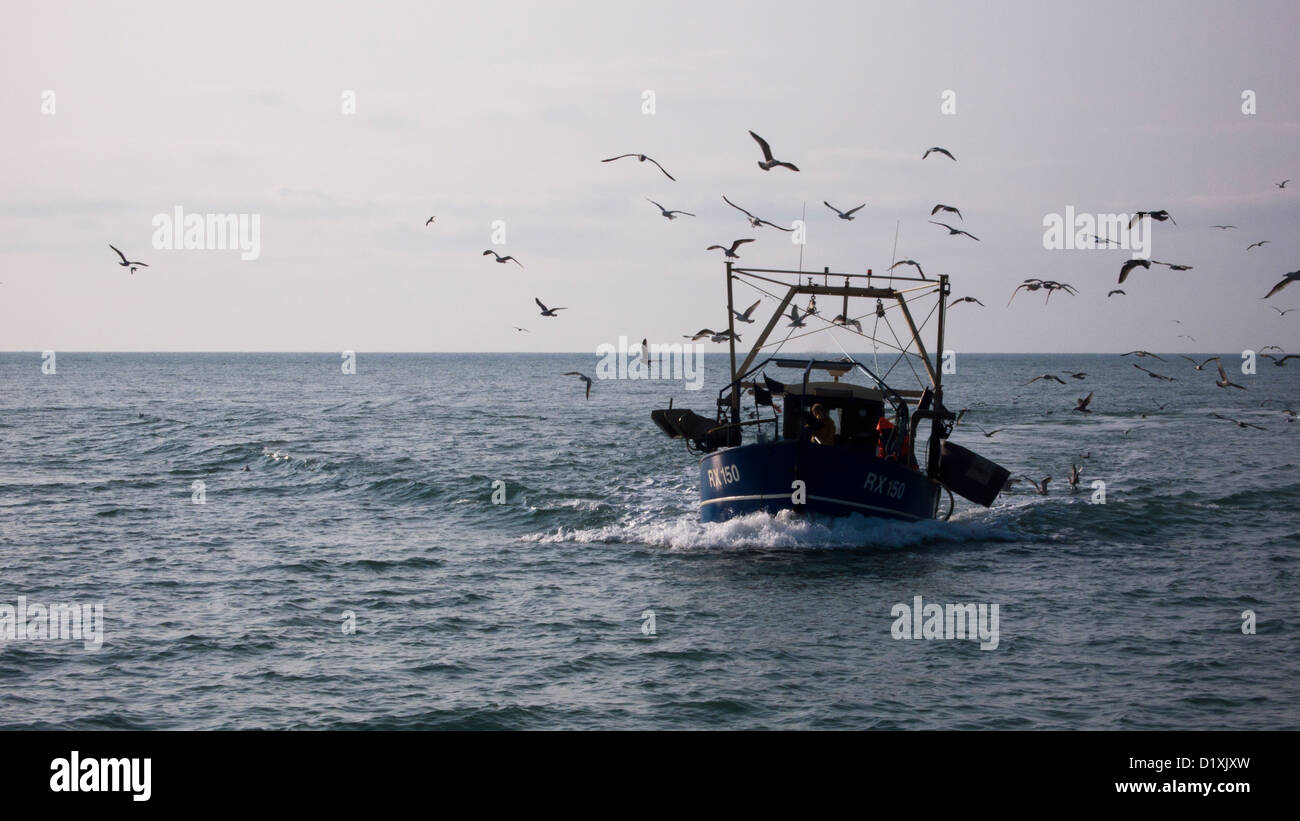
(478, 112)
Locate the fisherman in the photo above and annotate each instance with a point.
(885, 432)
(823, 428)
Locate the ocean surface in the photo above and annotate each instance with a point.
(359, 575)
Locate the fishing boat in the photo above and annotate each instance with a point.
(770, 457)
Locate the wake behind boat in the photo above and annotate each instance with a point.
(834, 448)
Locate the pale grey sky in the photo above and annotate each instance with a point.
(501, 111)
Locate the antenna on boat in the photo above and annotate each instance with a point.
(893, 255)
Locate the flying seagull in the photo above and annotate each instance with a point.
(672, 215)
(1280, 360)
(521, 330)
(730, 252)
(1083, 403)
(1158, 216)
(1045, 376)
(1127, 268)
(956, 302)
(1153, 374)
(1039, 487)
(753, 220)
(1258, 244)
(1079, 375)
(954, 231)
(1116, 291)
(429, 221)
(988, 434)
(745, 317)
(1223, 381)
(1142, 353)
(948, 209)
(643, 158)
(1172, 266)
(1074, 476)
(1202, 365)
(1236, 422)
(547, 311)
(126, 263)
(911, 262)
(796, 321)
(503, 260)
(934, 149)
(1105, 240)
(584, 378)
(1282, 184)
(1286, 280)
(1280, 311)
(844, 215)
(1223, 227)
(700, 334)
(841, 319)
(768, 163)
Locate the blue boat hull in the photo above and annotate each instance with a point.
(837, 482)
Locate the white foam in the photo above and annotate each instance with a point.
(782, 531)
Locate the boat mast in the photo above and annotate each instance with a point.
(731, 343)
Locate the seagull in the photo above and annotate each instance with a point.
(1282, 184)
(429, 221)
(1272, 348)
(1280, 360)
(754, 221)
(1028, 285)
(643, 158)
(1053, 285)
(988, 434)
(723, 336)
(1039, 487)
(1083, 403)
(1171, 266)
(1153, 374)
(1074, 476)
(954, 231)
(1281, 312)
(672, 215)
(1236, 422)
(934, 149)
(745, 317)
(1201, 366)
(956, 302)
(768, 162)
(584, 378)
(126, 263)
(547, 311)
(1106, 240)
(1223, 382)
(948, 209)
(521, 330)
(911, 262)
(1158, 216)
(730, 252)
(700, 334)
(1127, 268)
(1053, 377)
(844, 215)
(795, 320)
(1116, 291)
(1223, 227)
(503, 260)
(841, 319)
(1286, 280)
(1258, 244)
(1079, 375)
(1142, 353)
